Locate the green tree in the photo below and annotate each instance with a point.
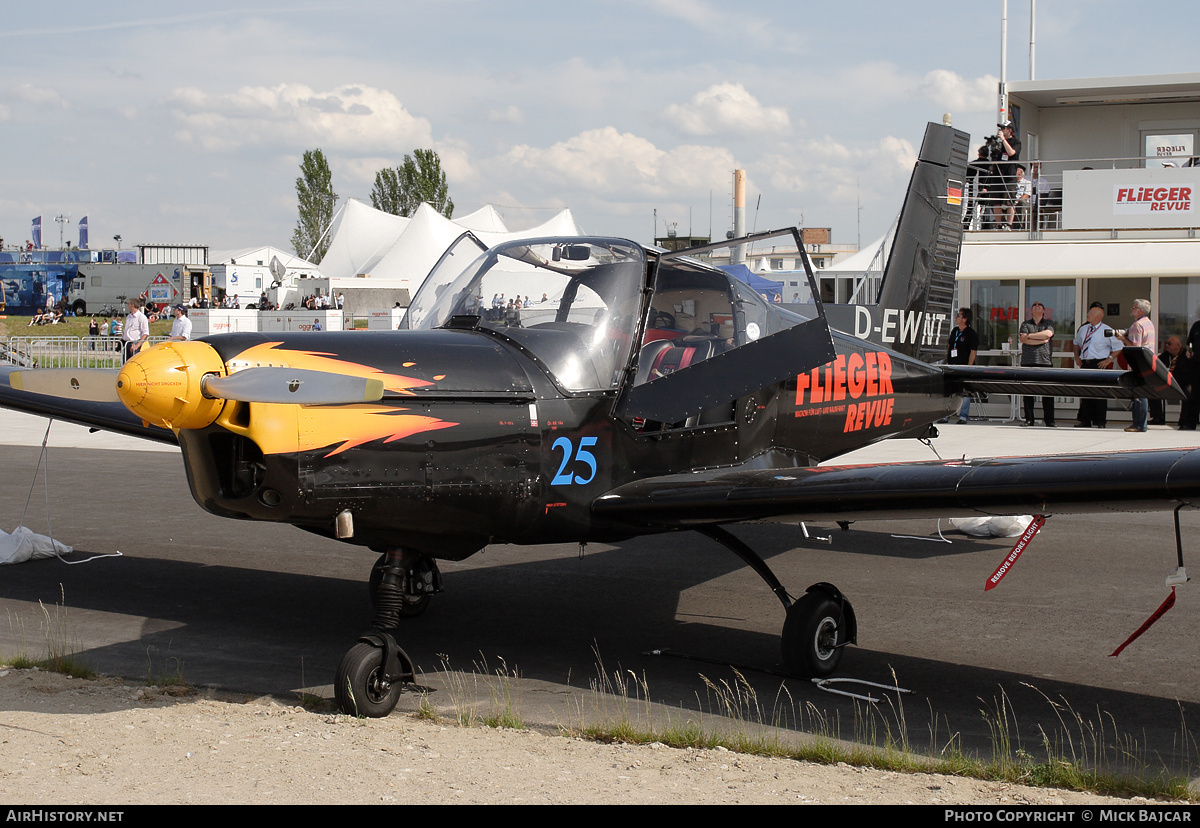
(314, 192)
(400, 191)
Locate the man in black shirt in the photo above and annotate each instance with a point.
(1036, 334)
(1006, 152)
(961, 350)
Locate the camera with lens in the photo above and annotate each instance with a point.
(1111, 332)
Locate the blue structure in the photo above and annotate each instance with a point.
(772, 290)
(30, 276)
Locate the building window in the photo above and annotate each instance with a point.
(1178, 301)
(996, 311)
(1058, 298)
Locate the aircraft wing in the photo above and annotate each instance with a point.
(106, 416)
(1080, 483)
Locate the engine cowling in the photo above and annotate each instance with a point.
(162, 385)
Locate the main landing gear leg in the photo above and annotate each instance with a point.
(373, 673)
(817, 627)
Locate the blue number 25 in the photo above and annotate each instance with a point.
(565, 477)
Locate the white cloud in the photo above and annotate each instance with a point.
(727, 107)
(606, 162)
(348, 119)
(362, 170)
(42, 96)
(956, 94)
(841, 174)
(456, 162)
(511, 114)
(731, 23)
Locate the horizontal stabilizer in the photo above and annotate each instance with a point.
(1147, 377)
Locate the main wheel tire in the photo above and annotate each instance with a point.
(79, 308)
(811, 635)
(360, 688)
(413, 606)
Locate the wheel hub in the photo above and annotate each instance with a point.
(825, 640)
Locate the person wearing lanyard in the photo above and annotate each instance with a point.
(1094, 349)
(961, 350)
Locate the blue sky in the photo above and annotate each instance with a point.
(167, 124)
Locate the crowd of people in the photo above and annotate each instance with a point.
(1095, 346)
(504, 310)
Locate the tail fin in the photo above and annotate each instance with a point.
(914, 311)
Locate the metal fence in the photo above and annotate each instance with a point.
(64, 351)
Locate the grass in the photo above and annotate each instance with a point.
(311, 702)
(169, 676)
(1083, 753)
(59, 639)
(76, 326)
(500, 686)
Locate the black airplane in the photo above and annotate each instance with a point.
(649, 392)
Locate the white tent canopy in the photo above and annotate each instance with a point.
(360, 237)
(402, 251)
(484, 220)
(861, 261)
(255, 255)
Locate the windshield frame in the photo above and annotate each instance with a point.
(582, 334)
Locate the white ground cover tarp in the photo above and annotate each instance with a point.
(24, 545)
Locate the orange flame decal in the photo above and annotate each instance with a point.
(352, 426)
(269, 354)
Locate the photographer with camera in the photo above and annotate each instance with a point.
(1004, 149)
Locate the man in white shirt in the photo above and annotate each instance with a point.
(181, 328)
(136, 330)
(1094, 347)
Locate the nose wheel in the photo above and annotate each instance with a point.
(372, 676)
(373, 673)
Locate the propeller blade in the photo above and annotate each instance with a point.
(293, 385)
(90, 384)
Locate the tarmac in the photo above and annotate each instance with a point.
(265, 609)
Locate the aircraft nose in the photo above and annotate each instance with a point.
(162, 384)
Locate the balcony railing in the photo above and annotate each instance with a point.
(1107, 194)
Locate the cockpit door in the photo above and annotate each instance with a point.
(680, 374)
